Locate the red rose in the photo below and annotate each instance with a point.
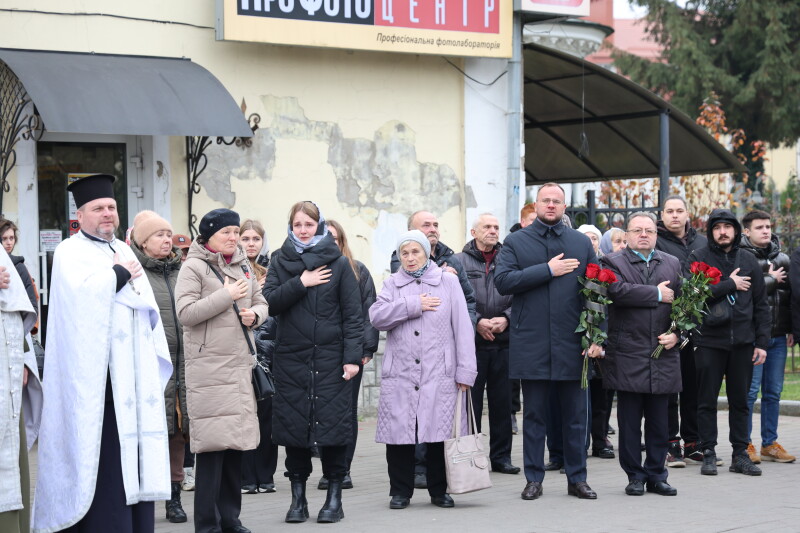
(606, 276)
(703, 267)
(592, 271)
(713, 272)
(694, 268)
(714, 281)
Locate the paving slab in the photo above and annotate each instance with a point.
(727, 502)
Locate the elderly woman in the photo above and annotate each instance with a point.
(219, 302)
(613, 241)
(151, 242)
(313, 292)
(594, 235)
(429, 358)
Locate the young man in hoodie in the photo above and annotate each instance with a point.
(764, 245)
(732, 338)
(677, 237)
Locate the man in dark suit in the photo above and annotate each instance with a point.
(539, 265)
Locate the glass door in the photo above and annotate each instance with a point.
(58, 164)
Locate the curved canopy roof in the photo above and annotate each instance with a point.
(565, 96)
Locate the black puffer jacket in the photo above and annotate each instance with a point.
(368, 296)
(265, 340)
(778, 294)
(320, 329)
(751, 322)
(488, 302)
(163, 275)
(667, 242)
(444, 254)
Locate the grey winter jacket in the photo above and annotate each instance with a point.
(488, 302)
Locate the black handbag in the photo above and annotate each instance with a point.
(263, 382)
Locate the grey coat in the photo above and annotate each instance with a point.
(635, 320)
(163, 275)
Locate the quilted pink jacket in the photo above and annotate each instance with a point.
(426, 355)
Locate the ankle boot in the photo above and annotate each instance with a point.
(332, 510)
(298, 511)
(175, 512)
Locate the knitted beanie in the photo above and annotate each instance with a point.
(145, 224)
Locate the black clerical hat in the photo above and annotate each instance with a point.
(91, 188)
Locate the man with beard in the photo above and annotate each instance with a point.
(540, 265)
(733, 336)
(677, 237)
(765, 246)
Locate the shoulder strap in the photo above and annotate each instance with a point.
(235, 310)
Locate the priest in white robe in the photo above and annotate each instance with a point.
(103, 452)
(20, 399)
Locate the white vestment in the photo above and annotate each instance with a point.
(16, 318)
(94, 331)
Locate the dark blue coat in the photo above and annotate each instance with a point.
(545, 309)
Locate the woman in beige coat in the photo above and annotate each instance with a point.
(222, 407)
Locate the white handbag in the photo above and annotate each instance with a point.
(466, 460)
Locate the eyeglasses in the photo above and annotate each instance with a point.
(637, 231)
(547, 201)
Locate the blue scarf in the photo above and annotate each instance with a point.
(418, 273)
(322, 230)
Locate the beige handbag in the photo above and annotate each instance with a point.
(465, 457)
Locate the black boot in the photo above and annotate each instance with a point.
(298, 511)
(175, 512)
(332, 510)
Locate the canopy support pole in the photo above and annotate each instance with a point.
(663, 167)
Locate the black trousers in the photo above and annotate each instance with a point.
(516, 388)
(555, 437)
(736, 365)
(686, 429)
(259, 465)
(217, 492)
(400, 462)
(631, 408)
(333, 459)
(572, 401)
(493, 378)
(108, 511)
(599, 413)
(351, 448)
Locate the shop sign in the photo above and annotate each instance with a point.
(576, 8)
(480, 28)
(49, 239)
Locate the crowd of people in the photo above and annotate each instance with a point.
(152, 341)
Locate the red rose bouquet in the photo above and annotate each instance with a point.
(687, 309)
(595, 291)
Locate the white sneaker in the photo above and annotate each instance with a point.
(188, 479)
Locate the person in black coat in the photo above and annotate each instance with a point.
(479, 258)
(677, 237)
(540, 265)
(312, 291)
(367, 291)
(637, 321)
(732, 337)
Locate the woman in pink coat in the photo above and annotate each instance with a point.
(429, 358)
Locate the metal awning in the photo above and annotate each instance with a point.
(126, 95)
(624, 125)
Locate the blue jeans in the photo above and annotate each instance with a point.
(769, 378)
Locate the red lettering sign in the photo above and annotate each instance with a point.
(480, 16)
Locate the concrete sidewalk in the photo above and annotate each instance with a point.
(727, 502)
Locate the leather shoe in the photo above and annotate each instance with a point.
(532, 490)
(420, 480)
(236, 529)
(603, 453)
(661, 487)
(505, 468)
(399, 502)
(443, 501)
(635, 488)
(582, 490)
(552, 465)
